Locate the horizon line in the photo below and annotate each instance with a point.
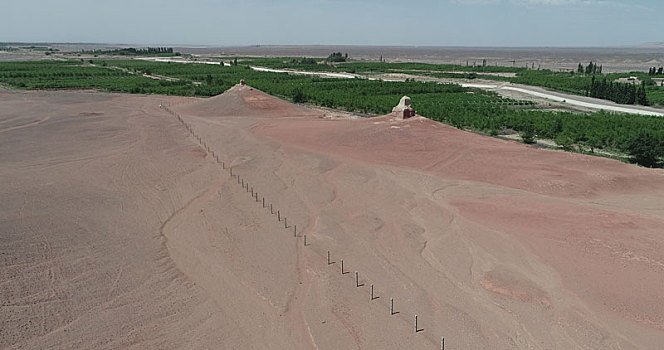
(648, 45)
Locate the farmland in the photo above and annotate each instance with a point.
(569, 82)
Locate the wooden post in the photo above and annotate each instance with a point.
(372, 295)
(263, 202)
(357, 279)
(305, 240)
(271, 212)
(252, 191)
(342, 266)
(416, 329)
(328, 257)
(442, 343)
(295, 233)
(278, 215)
(285, 222)
(391, 306)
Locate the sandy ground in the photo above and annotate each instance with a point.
(121, 229)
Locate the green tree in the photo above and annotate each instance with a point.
(565, 140)
(337, 57)
(298, 96)
(594, 139)
(528, 134)
(641, 97)
(646, 148)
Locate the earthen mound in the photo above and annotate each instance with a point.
(244, 101)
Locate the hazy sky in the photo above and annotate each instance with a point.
(354, 22)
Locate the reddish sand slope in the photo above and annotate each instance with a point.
(119, 230)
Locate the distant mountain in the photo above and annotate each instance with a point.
(652, 45)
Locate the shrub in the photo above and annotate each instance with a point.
(564, 140)
(298, 96)
(528, 134)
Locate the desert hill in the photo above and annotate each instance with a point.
(123, 227)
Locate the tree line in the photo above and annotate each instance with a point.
(591, 68)
(656, 71)
(337, 57)
(131, 51)
(618, 92)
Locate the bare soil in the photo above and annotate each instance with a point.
(120, 229)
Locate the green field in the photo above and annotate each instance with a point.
(471, 109)
(573, 83)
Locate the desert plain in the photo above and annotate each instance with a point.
(123, 227)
